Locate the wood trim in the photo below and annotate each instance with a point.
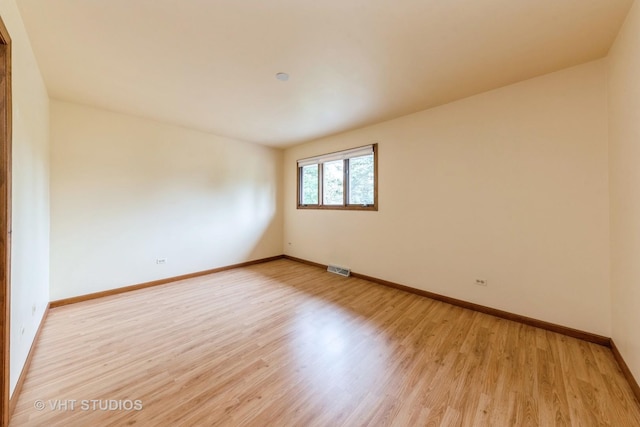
(376, 157)
(25, 369)
(304, 261)
(300, 189)
(339, 208)
(5, 221)
(564, 330)
(87, 297)
(498, 313)
(575, 333)
(345, 181)
(298, 185)
(635, 387)
(423, 360)
(345, 205)
(320, 186)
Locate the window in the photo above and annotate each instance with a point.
(343, 180)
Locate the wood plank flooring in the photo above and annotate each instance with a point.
(286, 344)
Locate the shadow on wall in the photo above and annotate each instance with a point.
(258, 218)
(127, 192)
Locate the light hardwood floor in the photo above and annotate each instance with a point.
(286, 344)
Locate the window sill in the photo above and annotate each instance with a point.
(341, 208)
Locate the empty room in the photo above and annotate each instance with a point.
(340, 213)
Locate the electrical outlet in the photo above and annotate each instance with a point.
(481, 282)
(161, 260)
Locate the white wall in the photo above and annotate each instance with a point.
(624, 169)
(128, 190)
(30, 199)
(510, 186)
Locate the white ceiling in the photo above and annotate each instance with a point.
(211, 64)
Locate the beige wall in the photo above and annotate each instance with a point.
(510, 186)
(624, 170)
(30, 199)
(127, 190)
(514, 186)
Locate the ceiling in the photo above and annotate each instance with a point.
(211, 64)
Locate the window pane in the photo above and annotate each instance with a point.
(361, 180)
(332, 185)
(309, 194)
